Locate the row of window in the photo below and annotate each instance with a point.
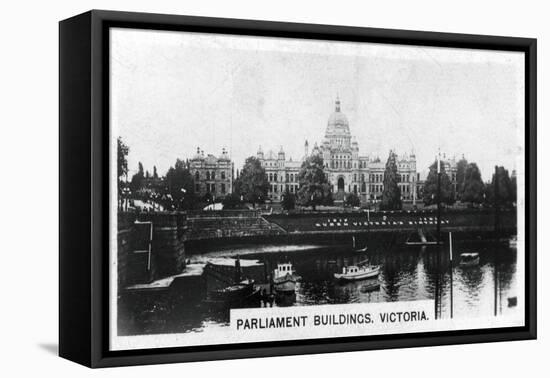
(210, 188)
(341, 141)
(289, 177)
(210, 175)
(278, 163)
(374, 177)
(340, 164)
(275, 188)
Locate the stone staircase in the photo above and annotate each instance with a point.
(216, 227)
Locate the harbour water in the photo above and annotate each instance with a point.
(407, 273)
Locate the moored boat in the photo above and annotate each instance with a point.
(285, 278)
(469, 259)
(355, 272)
(236, 295)
(513, 242)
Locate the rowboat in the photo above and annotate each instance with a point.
(233, 296)
(355, 273)
(285, 278)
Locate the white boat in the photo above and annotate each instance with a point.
(513, 242)
(285, 278)
(469, 259)
(355, 273)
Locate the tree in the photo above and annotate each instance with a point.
(232, 201)
(252, 183)
(314, 187)
(514, 189)
(289, 201)
(328, 200)
(391, 194)
(461, 167)
(179, 184)
(505, 191)
(122, 158)
(353, 200)
(472, 187)
(122, 169)
(430, 187)
(138, 179)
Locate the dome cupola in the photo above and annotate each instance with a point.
(338, 124)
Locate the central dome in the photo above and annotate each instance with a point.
(338, 122)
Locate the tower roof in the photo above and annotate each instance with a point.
(337, 124)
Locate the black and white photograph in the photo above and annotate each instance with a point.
(303, 188)
(267, 189)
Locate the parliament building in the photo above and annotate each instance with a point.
(347, 171)
(212, 174)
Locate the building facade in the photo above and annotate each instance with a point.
(347, 171)
(282, 174)
(212, 175)
(350, 172)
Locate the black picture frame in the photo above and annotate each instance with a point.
(83, 181)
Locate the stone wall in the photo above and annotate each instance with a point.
(451, 220)
(168, 242)
(167, 247)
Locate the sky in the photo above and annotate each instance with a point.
(172, 92)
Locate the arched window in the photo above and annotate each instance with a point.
(208, 175)
(213, 175)
(197, 176)
(275, 177)
(223, 175)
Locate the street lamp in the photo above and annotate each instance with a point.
(125, 195)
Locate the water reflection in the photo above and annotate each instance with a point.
(407, 273)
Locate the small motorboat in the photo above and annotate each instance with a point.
(356, 272)
(513, 242)
(285, 278)
(469, 259)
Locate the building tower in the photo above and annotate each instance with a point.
(260, 153)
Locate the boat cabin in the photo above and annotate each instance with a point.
(469, 258)
(283, 269)
(350, 269)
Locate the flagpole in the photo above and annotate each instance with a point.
(451, 268)
(438, 288)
